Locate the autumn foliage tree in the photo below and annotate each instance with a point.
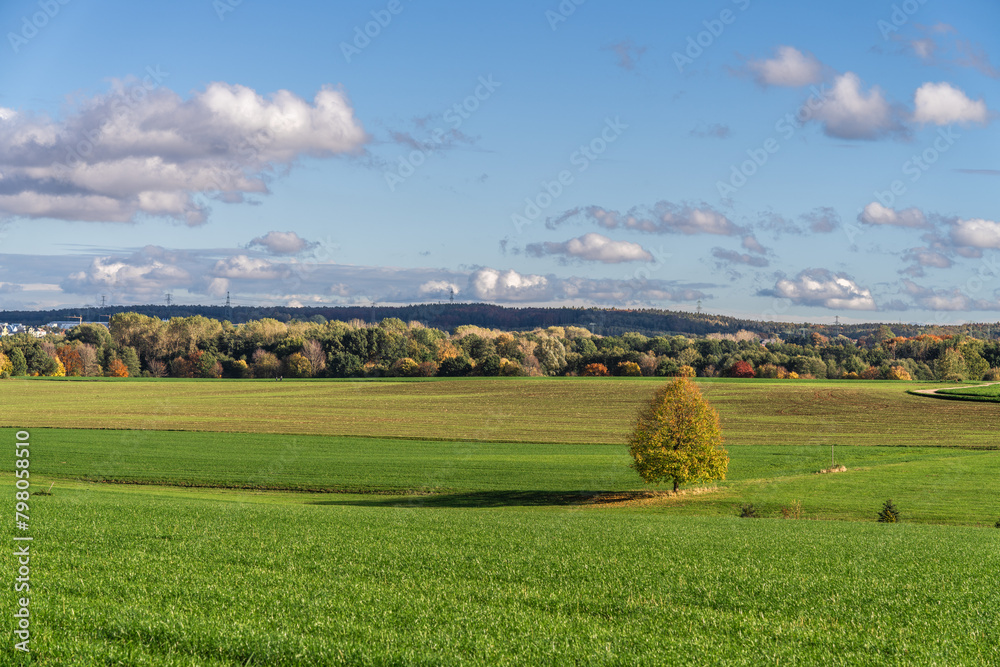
(595, 370)
(117, 369)
(741, 369)
(677, 436)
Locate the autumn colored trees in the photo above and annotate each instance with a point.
(200, 347)
(677, 437)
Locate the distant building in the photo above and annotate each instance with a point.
(9, 329)
(69, 324)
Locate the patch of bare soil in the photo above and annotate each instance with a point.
(839, 468)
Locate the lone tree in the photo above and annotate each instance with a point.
(677, 436)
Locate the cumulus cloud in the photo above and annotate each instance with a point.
(941, 299)
(976, 233)
(492, 285)
(241, 267)
(206, 275)
(663, 218)
(943, 104)
(145, 274)
(847, 112)
(921, 258)
(789, 67)
(281, 243)
(594, 248)
(438, 288)
(119, 156)
(877, 214)
(824, 289)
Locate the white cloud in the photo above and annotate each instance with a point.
(821, 288)
(250, 268)
(439, 288)
(595, 248)
(145, 274)
(281, 243)
(847, 112)
(943, 104)
(877, 214)
(493, 285)
(119, 156)
(922, 258)
(789, 67)
(976, 233)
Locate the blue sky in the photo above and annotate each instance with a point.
(781, 160)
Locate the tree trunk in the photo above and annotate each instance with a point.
(675, 486)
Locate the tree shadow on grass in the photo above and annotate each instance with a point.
(474, 499)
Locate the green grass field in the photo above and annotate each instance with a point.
(567, 410)
(988, 393)
(163, 577)
(496, 522)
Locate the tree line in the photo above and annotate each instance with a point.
(134, 345)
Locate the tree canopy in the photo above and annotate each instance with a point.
(678, 437)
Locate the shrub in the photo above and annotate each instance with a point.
(117, 369)
(629, 368)
(427, 369)
(888, 513)
(265, 364)
(510, 367)
(748, 511)
(455, 366)
(992, 375)
(158, 369)
(686, 372)
(871, 373)
(595, 370)
(767, 371)
(898, 373)
(741, 369)
(298, 366)
(793, 511)
(667, 367)
(405, 367)
(490, 366)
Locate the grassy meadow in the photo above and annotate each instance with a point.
(491, 522)
(551, 410)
